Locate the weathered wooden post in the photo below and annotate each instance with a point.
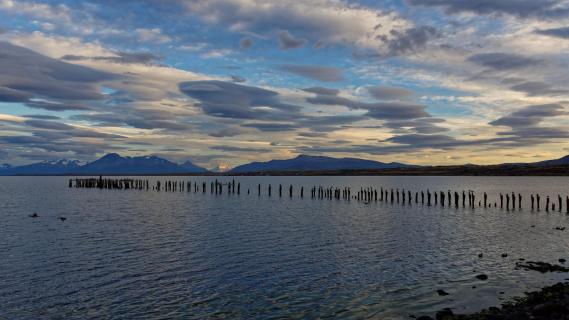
(547, 204)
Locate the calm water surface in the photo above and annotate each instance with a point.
(144, 254)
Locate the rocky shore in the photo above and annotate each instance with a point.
(549, 303)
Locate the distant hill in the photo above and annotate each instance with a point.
(5, 166)
(316, 163)
(556, 162)
(111, 163)
(55, 167)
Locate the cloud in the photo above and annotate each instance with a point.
(562, 32)
(246, 43)
(152, 35)
(537, 88)
(27, 74)
(315, 72)
(288, 41)
(530, 115)
(520, 8)
(227, 132)
(503, 61)
(271, 127)
(390, 93)
(409, 40)
(396, 110)
(322, 91)
(422, 125)
(240, 149)
(229, 100)
(324, 21)
(120, 57)
(385, 110)
(524, 123)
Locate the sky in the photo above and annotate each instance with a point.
(226, 82)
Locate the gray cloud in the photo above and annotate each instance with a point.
(524, 123)
(322, 91)
(520, 8)
(271, 127)
(503, 61)
(315, 72)
(562, 32)
(121, 57)
(288, 41)
(240, 149)
(43, 124)
(27, 74)
(389, 93)
(41, 117)
(396, 111)
(536, 88)
(388, 110)
(229, 100)
(410, 40)
(227, 132)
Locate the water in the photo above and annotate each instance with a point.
(143, 254)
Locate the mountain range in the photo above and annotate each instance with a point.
(316, 163)
(110, 164)
(114, 164)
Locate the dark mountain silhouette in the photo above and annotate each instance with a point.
(5, 166)
(45, 167)
(190, 167)
(111, 163)
(556, 162)
(316, 163)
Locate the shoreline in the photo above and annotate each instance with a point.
(550, 302)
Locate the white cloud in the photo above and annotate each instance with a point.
(329, 21)
(152, 35)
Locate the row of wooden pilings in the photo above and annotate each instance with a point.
(507, 201)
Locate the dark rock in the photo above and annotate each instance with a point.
(542, 267)
(34, 215)
(442, 293)
(62, 218)
(504, 255)
(560, 228)
(482, 277)
(562, 260)
(445, 314)
(480, 255)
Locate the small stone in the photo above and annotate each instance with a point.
(480, 255)
(482, 277)
(442, 293)
(562, 260)
(34, 215)
(504, 255)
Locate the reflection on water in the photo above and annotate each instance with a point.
(132, 254)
